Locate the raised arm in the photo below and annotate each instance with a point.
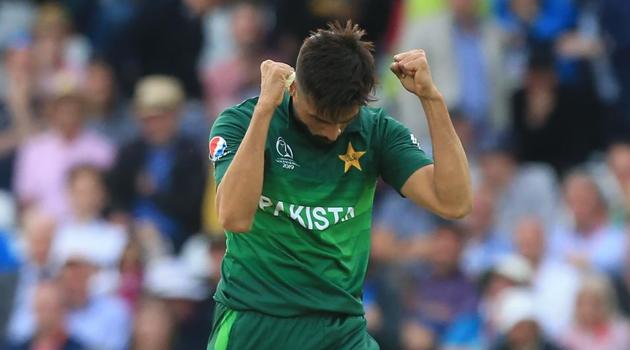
(444, 187)
(240, 189)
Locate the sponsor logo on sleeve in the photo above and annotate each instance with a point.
(217, 147)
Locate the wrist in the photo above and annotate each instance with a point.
(265, 108)
(430, 94)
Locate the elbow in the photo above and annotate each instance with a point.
(457, 212)
(236, 225)
(232, 219)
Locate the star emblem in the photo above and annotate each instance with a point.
(351, 158)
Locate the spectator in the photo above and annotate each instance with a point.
(17, 121)
(401, 229)
(56, 48)
(8, 260)
(616, 181)
(591, 242)
(295, 19)
(237, 78)
(44, 160)
(441, 292)
(465, 54)
(554, 283)
(15, 16)
(518, 323)
(554, 124)
(131, 273)
(622, 289)
(8, 277)
(597, 326)
(484, 245)
(518, 190)
(98, 320)
(166, 38)
(8, 213)
(511, 271)
(159, 177)
(153, 328)
(38, 231)
(50, 313)
(186, 296)
(417, 337)
(86, 189)
(614, 18)
(106, 111)
(529, 24)
(588, 67)
(381, 302)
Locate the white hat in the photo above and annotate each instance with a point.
(515, 268)
(515, 305)
(158, 93)
(171, 278)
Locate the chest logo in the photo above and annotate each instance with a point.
(283, 149)
(351, 158)
(286, 154)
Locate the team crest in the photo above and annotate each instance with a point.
(351, 158)
(217, 147)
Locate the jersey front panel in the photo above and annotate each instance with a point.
(308, 248)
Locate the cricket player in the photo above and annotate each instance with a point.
(296, 169)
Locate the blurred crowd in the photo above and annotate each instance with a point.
(108, 236)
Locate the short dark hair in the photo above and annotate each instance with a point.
(335, 69)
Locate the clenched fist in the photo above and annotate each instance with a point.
(273, 77)
(412, 69)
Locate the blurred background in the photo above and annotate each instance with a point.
(108, 238)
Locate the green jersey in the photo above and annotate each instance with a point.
(308, 247)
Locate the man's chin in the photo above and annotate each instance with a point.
(324, 140)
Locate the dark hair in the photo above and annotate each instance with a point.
(335, 69)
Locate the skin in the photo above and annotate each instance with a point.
(158, 127)
(443, 188)
(49, 313)
(447, 249)
(530, 240)
(582, 198)
(87, 196)
(39, 230)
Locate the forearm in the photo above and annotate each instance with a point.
(451, 178)
(240, 189)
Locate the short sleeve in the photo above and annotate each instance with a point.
(400, 153)
(225, 138)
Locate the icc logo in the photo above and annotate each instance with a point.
(283, 149)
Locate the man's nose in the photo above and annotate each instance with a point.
(332, 132)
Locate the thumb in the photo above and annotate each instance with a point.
(397, 70)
